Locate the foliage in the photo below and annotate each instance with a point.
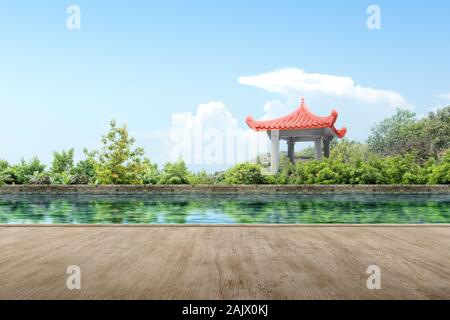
(349, 151)
(389, 135)
(62, 161)
(437, 127)
(22, 173)
(201, 178)
(244, 173)
(3, 165)
(4, 175)
(440, 174)
(175, 173)
(401, 150)
(40, 178)
(117, 162)
(373, 170)
(404, 133)
(84, 171)
(149, 172)
(61, 178)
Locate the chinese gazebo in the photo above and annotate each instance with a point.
(300, 125)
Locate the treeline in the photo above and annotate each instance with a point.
(400, 150)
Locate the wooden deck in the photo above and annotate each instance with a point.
(225, 262)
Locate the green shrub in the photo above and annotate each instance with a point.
(84, 171)
(63, 178)
(62, 161)
(22, 172)
(440, 174)
(367, 173)
(244, 173)
(3, 165)
(373, 169)
(201, 178)
(175, 173)
(150, 173)
(401, 150)
(285, 173)
(4, 172)
(402, 170)
(39, 178)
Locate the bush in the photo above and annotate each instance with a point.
(362, 169)
(368, 173)
(285, 173)
(175, 173)
(150, 173)
(201, 178)
(84, 171)
(22, 172)
(4, 172)
(61, 178)
(401, 150)
(62, 161)
(402, 170)
(40, 178)
(244, 173)
(440, 174)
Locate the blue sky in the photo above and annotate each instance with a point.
(141, 62)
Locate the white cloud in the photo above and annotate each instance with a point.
(444, 96)
(274, 109)
(293, 81)
(209, 115)
(213, 137)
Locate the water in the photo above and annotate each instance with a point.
(229, 209)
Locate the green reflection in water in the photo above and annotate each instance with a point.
(213, 208)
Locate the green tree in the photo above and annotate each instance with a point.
(391, 136)
(62, 161)
(349, 151)
(403, 133)
(118, 162)
(175, 173)
(437, 130)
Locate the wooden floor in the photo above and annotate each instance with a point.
(225, 262)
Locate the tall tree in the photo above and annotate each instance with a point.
(118, 162)
(389, 136)
(62, 161)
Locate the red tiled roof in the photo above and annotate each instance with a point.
(301, 118)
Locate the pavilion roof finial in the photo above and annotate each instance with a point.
(302, 102)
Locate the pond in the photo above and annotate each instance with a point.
(223, 209)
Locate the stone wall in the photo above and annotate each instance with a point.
(269, 189)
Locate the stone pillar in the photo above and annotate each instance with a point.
(275, 151)
(291, 148)
(318, 149)
(326, 148)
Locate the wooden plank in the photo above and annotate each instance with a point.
(217, 262)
